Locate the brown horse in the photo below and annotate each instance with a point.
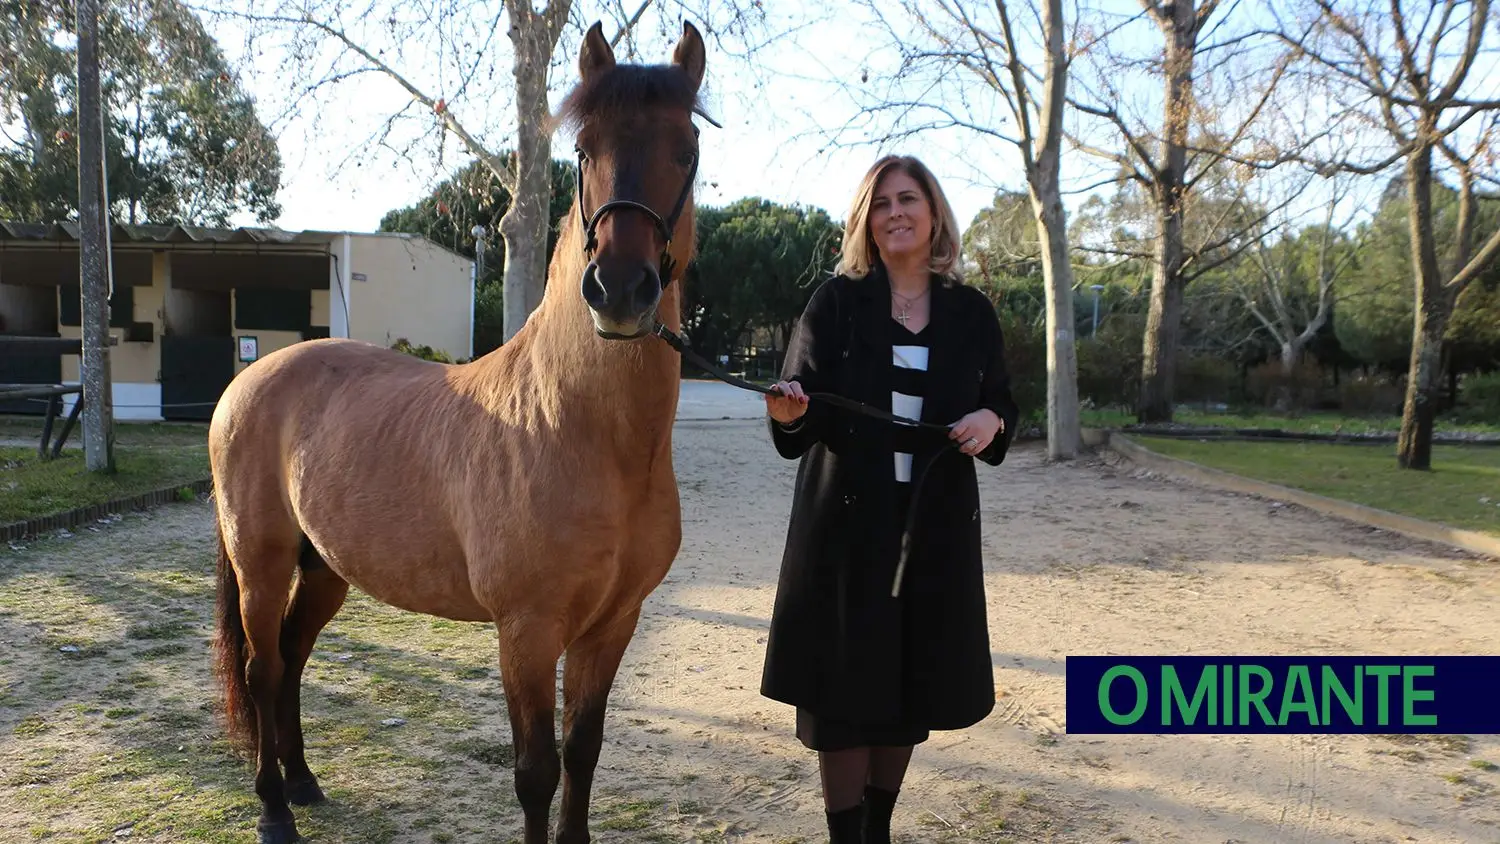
(532, 488)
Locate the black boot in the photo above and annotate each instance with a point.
(844, 825)
(879, 805)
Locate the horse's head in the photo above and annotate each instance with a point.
(637, 161)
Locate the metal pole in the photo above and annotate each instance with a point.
(479, 233)
(1095, 330)
(93, 262)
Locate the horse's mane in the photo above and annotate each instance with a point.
(626, 88)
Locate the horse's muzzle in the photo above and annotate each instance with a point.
(622, 298)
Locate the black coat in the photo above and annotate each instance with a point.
(836, 643)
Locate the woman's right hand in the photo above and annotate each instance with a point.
(790, 403)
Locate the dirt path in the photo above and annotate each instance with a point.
(1088, 558)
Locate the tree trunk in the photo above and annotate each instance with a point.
(1424, 376)
(525, 224)
(1452, 370)
(1291, 353)
(1424, 383)
(1063, 427)
(135, 160)
(1163, 321)
(1064, 436)
(93, 260)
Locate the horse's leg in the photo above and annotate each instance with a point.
(588, 674)
(529, 649)
(320, 593)
(266, 580)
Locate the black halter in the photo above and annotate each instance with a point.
(665, 264)
(667, 226)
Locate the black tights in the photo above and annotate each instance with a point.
(846, 773)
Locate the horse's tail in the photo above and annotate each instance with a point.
(229, 655)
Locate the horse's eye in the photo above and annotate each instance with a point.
(686, 159)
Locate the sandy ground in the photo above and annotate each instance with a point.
(1092, 557)
(1089, 558)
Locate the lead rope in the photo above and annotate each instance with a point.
(837, 400)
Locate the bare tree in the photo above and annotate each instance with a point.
(524, 226)
(1216, 93)
(1405, 73)
(1040, 147)
(1289, 281)
(445, 60)
(969, 50)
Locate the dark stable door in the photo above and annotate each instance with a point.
(194, 371)
(17, 367)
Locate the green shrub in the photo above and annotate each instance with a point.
(1479, 398)
(1026, 361)
(1206, 379)
(423, 352)
(1109, 364)
(1370, 396)
(489, 318)
(1305, 387)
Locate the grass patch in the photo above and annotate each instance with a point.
(32, 725)
(35, 487)
(127, 433)
(1455, 745)
(1321, 422)
(121, 731)
(157, 630)
(628, 814)
(1462, 490)
(497, 753)
(998, 815)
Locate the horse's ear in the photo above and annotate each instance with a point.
(690, 54)
(595, 56)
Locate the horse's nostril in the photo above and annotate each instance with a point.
(594, 291)
(621, 291)
(647, 289)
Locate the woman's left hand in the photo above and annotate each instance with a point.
(976, 431)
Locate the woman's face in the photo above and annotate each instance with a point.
(900, 219)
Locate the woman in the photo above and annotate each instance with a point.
(871, 674)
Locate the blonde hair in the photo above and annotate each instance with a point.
(859, 253)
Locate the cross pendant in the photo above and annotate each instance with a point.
(903, 317)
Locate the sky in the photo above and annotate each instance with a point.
(776, 115)
(770, 144)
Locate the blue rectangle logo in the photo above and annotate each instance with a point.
(1283, 694)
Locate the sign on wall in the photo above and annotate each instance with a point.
(249, 349)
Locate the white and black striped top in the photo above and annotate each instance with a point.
(908, 387)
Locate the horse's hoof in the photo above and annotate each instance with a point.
(303, 793)
(284, 832)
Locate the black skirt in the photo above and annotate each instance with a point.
(827, 732)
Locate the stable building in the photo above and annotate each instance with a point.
(191, 307)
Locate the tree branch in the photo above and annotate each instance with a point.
(629, 25)
(503, 173)
(1113, 116)
(1477, 21)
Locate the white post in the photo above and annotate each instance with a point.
(339, 278)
